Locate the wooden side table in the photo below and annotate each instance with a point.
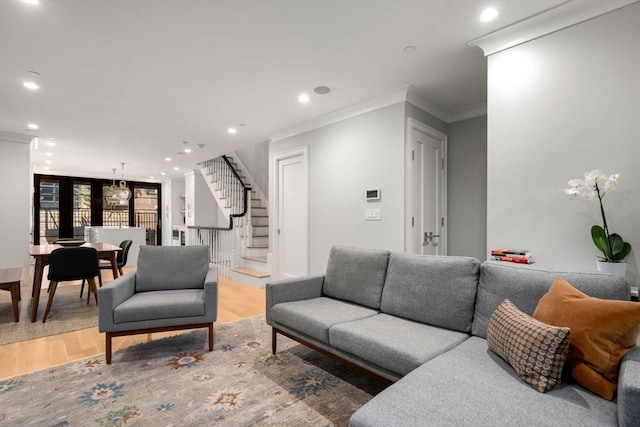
(10, 281)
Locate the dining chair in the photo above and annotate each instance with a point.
(76, 263)
(121, 260)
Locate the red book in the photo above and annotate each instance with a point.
(519, 260)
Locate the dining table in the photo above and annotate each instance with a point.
(42, 256)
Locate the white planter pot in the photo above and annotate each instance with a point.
(619, 268)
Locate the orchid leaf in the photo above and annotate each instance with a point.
(599, 238)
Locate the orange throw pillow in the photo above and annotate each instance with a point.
(602, 332)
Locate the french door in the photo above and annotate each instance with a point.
(63, 206)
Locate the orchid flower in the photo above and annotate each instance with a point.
(595, 185)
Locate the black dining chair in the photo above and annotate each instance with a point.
(121, 261)
(68, 264)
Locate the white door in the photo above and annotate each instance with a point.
(291, 214)
(426, 157)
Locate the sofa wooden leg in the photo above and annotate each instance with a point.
(108, 348)
(211, 337)
(274, 340)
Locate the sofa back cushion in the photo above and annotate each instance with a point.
(524, 285)
(435, 290)
(171, 267)
(356, 275)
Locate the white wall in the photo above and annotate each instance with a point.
(201, 207)
(256, 159)
(345, 159)
(559, 106)
(15, 211)
(467, 188)
(172, 204)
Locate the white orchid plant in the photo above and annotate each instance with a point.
(594, 186)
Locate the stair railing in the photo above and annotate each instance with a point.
(224, 242)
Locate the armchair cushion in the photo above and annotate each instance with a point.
(154, 305)
(157, 267)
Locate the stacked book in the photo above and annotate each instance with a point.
(512, 255)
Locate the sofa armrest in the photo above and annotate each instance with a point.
(629, 390)
(211, 295)
(297, 289)
(110, 296)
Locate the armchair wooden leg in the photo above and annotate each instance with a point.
(274, 340)
(108, 347)
(211, 337)
(52, 292)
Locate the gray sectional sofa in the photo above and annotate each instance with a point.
(420, 322)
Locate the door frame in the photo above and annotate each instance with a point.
(412, 126)
(274, 203)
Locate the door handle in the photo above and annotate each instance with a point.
(428, 238)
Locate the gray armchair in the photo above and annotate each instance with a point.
(173, 288)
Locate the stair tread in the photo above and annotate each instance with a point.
(250, 272)
(254, 246)
(256, 258)
(260, 226)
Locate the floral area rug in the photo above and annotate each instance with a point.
(176, 381)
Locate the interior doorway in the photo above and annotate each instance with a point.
(290, 207)
(426, 231)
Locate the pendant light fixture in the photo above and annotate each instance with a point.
(119, 195)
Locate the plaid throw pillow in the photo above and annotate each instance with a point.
(535, 350)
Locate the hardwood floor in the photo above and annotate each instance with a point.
(236, 301)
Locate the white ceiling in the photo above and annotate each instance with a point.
(130, 80)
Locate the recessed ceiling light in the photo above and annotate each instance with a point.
(47, 161)
(31, 81)
(167, 159)
(46, 167)
(48, 154)
(232, 131)
(322, 90)
(51, 143)
(152, 177)
(33, 126)
(163, 173)
(176, 168)
(187, 150)
(30, 84)
(304, 98)
(489, 14)
(33, 2)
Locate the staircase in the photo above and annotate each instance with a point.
(252, 231)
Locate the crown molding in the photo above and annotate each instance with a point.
(16, 137)
(468, 113)
(414, 98)
(564, 15)
(343, 114)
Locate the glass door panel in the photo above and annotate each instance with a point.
(113, 215)
(145, 205)
(49, 212)
(81, 208)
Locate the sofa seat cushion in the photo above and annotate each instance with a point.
(392, 343)
(437, 290)
(469, 385)
(313, 317)
(154, 305)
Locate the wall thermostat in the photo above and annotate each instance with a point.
(372, 194)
